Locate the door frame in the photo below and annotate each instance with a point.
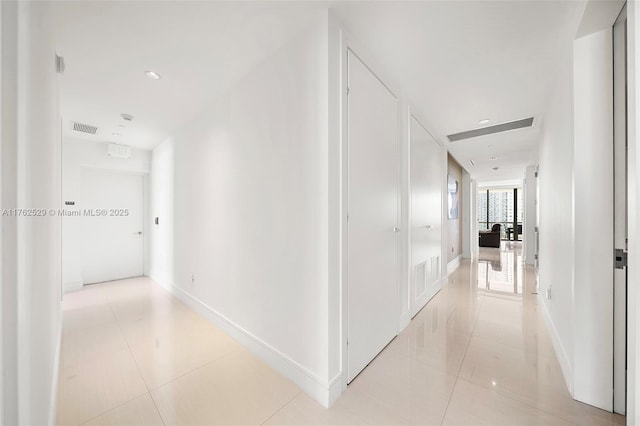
(349, 44)
(620, 154)
(145, 220)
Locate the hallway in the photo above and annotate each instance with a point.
(133, 354)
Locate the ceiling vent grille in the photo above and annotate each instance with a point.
(84, 128)
(498, 128)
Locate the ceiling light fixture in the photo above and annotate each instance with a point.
(116, 134)
(472, 162)
(496, 168)
(484, 121)
(493, 158)
(153, 75)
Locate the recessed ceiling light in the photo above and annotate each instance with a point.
(496, 168)
(152, 75)
(484, 121)
(493, 158)
(116, 134)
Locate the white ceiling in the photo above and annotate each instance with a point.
(457, 62)
(199, 48)
(461, 62)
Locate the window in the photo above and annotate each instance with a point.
(500, 206)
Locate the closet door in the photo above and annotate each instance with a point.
(373, 234)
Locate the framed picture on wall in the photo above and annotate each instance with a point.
(452, 197)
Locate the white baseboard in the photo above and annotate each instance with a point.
(53, 403)
(453, 265)
(72, 286)
(324, 392)
(561, 354)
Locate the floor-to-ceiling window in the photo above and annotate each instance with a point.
(503, 206)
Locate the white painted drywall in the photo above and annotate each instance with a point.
(8, 155)
(529, 214)
(250, 205)
(633, 277)
(575, 270)
(161, 182)
(79, 154)
(593, 204)
(556, 214)
(30, 245)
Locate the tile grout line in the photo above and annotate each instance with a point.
(464, 357)
(282, 407)
(136, 363)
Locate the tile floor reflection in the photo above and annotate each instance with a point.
(478, 353)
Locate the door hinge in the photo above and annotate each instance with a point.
(620, 258)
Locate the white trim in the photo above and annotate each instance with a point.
(561, 353)
(322, 391)
(453, 264)
(72, 286)
(53, 403)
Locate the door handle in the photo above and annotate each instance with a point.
(137, 233)
(428, 226)
(396, 229)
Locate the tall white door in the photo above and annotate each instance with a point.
(620, 213)
(112, 224)
(372, 216)
(426, 215)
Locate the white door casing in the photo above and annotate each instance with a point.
(620, 212)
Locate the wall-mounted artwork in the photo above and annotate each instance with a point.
(452, 197)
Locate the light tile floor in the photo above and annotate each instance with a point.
(478, 353)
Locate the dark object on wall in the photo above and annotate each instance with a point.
(157, 221)
(452, 197)
(490, 238)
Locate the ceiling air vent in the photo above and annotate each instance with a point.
(498, 128)
(84, 128)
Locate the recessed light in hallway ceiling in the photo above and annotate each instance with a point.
(153, 75)
(484, 121)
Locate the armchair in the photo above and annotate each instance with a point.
(490, 238)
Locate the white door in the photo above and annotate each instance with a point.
(372, 216)
(620, 213)
(426, 215)
(112, 240)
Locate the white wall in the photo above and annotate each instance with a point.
(79, 154)
(633, 277)
(250, 210)
(30, 245)
(593, 204)
(529, 214)
(9, 288)
(575, 217)
(161, 181)
(556, 214)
